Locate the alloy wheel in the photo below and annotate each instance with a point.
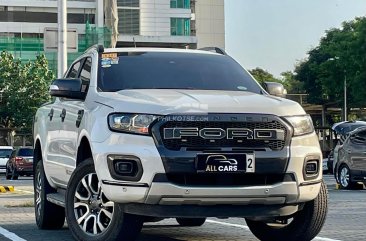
(38, 193)
(93, 211)
(344, 177)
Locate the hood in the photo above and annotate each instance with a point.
(168, 101)
(3, 160)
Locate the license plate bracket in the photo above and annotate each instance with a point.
(225, 163)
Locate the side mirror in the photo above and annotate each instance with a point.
(276, 89)
(67, 88)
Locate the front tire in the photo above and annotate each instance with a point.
(344, 177)
(304, 226)
(191, 222)
(48, 215)
(89, 213)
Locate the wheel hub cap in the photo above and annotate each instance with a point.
(344, 177)
(93, 211)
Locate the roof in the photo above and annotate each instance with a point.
(166, 50)
(6, 147)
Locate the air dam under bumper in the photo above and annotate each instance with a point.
(170, 200)
(171, 194)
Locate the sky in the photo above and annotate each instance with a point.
(276, 34)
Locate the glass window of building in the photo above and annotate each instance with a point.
(180, 4)
(128, 3)
(180, 26)
(129, 17)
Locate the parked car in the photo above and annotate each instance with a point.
(20, 163)
(170, 133)
(351, 164)
(5, 153)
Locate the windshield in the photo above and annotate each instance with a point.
(5, 153)
(172, 70)
(25, 152)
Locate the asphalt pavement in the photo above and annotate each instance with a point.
(345, 222)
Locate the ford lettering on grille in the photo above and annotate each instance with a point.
(229, 133)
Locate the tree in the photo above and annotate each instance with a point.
(291, 83)
(25, 88)
(262, 76)
(341, 54)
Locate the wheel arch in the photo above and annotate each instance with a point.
(84, 150)
(37, 154)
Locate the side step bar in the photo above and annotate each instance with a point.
(56, 198)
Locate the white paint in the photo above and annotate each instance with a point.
(247, 228)
(25, 191)
(229, 224)
(10, 235)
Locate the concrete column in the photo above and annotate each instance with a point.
(100, 13)
(62, 37)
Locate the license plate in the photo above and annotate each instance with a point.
(225, 163)
(30, 160)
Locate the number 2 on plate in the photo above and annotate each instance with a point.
(250, 163)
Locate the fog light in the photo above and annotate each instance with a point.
(311, 168)
(124, 168)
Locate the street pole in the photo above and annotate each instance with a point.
(345, 96)
(62, 37)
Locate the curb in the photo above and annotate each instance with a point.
(6, 189)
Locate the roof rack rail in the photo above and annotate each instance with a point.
(98, 47)
(215, 50)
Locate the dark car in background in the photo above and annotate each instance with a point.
(351, 164)
(20, 163)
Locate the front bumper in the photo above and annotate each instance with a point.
(149, 192)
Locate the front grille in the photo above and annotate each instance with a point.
(220, 180)
(198, 142)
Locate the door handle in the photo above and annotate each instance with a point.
(51, 114)
(79, 118)
(63, 115)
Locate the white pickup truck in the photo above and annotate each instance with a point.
(143, 134)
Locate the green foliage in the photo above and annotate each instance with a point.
(262, 76)
(288, 79)
(25, 88)
(341, 54)
(291, 83)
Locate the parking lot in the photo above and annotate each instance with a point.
(345, 222)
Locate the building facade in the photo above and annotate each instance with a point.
(160, 23)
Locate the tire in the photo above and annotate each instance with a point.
(14, 174)
(344, 177)
(304, 226)
(7, 174)
(48, 215)
(191, 222)
(90, 215)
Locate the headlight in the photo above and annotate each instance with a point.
(134, 123)
(302, 124)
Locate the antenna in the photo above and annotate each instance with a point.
(134, 42)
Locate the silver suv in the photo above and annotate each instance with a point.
(142, 134)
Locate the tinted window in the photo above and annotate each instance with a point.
(158, 70)
(86, 74)
(74, 71)
(5, 152)
(361, 134)
(25, 152)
